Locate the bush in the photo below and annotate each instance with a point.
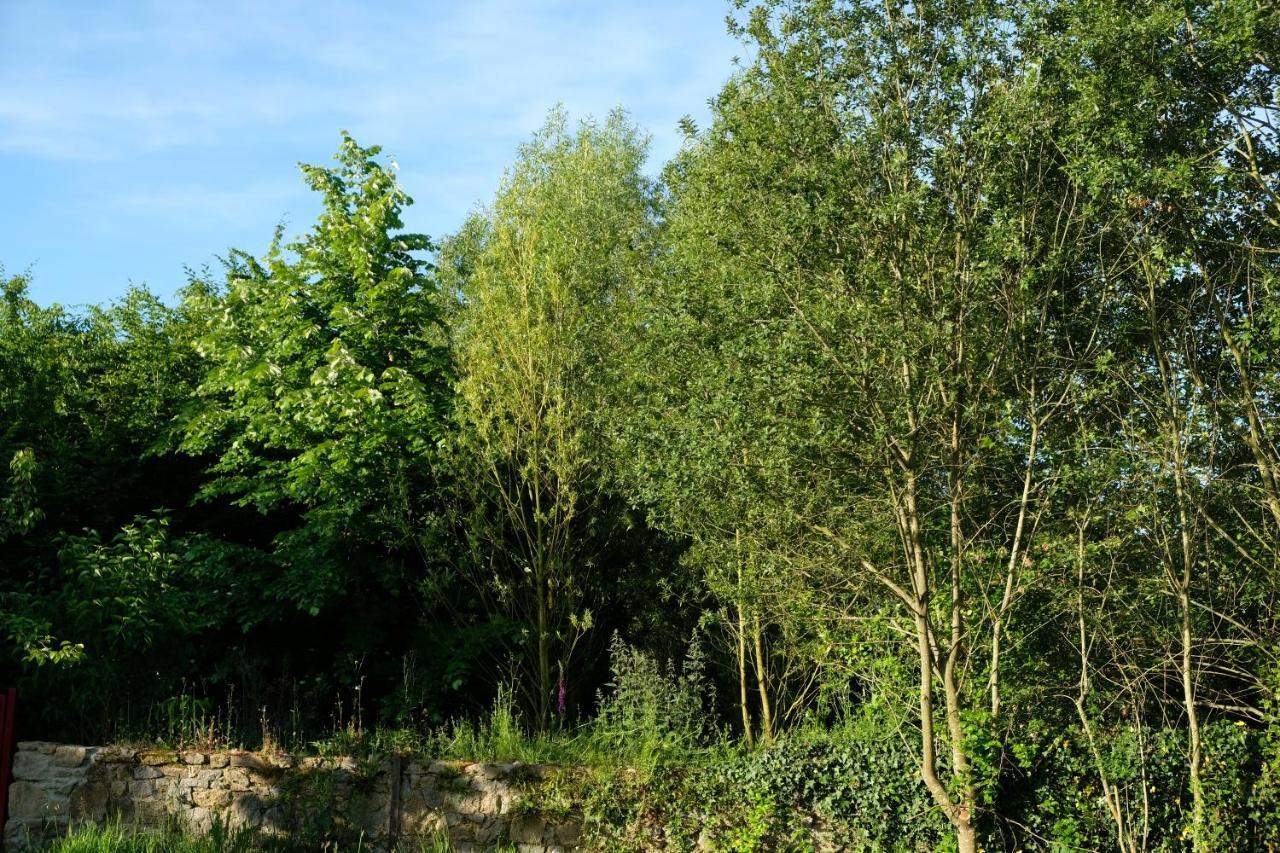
(857, 787)
(1265, 806)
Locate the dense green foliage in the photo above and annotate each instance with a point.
(926, 408)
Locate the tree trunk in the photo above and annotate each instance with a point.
(960, 815)
(1195, 759)
(1011, 569)
(1180, 569)
(961, 770)
(742, 680)
(762, 683)
(544, 657)
(1084, 686)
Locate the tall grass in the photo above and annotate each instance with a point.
(501, 735)
(118, 838)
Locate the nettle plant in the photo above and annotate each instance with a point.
(652, 712)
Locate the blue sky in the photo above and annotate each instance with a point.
(137, 138)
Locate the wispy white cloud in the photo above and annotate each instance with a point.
(194, 111)
(193, 73)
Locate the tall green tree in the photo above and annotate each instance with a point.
(540, 278)
(1167, 122)
(326, 384)
(860, 327)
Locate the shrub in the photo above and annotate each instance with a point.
(857, 787)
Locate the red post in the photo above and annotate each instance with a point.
(8, 710)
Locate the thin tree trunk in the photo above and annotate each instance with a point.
(743, 695)
(959, 815)
(1109, 792)
(762, 682)
(961, 770)
(1146, 784)
(1180, 575)
(742, 679)
(1011, 569)
(1195, 760)
(543, 705)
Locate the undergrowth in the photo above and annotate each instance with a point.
(650, 713)
(119, 838)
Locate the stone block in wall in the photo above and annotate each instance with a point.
(489, 830)
(420, 821)
(38, 746)
(249, 760)
(495, 771)
(207, 778)
(447, 767)
(31, 765)
(569, 832)
(235, 779)
(115, 755)
(45, 777)
(88, 802)
(150, 813)
(143, 789)
(200, 820)
(211, 798)
(245, 811)
(28, 800)
(421, 795)
(69, 756)
(528, 829)
(111, 771)
(469, 803)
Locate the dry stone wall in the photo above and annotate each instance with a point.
(382, 802)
